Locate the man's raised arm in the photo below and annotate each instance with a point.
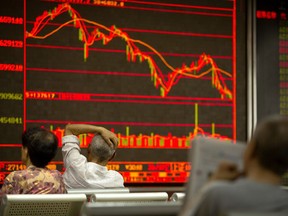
(76, 129)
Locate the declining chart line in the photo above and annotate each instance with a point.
(195, 70)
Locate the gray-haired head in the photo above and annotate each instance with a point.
(100, 151)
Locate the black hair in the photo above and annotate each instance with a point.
(271, 144)
(41, 144)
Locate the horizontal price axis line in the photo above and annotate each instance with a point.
(122, 51)
(179, 11)
(189, 34)
(138, 102)
(185, 6)
(134, 96)
(181, 5)
(172, 11)
(10, 145)
(113, 73)
(128, 123)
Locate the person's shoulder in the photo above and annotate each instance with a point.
(70, 139)
(215, 185)
(11, 175)
(17, 175)
(118, 178)
(228, 188)
(116, 174)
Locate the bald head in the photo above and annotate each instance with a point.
(100, 151)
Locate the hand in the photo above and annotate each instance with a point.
(109, 137)
(226, 171)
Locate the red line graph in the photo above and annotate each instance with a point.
(122, 51)
(153, 31)
(113, 73)
(195, 70)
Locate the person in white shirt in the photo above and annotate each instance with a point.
(90, 172)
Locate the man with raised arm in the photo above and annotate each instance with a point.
(90, 172)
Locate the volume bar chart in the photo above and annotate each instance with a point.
(151, 140)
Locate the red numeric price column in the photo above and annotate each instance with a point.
(11, 81)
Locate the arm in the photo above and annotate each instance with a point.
(74, 162)
(76, 129)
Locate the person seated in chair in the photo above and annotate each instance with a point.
(39, 147)
(90, 172)
(265, 161)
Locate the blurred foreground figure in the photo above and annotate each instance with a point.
(265, 161)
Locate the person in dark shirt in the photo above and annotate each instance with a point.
(265, 161)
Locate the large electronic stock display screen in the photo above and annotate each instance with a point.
(155, 72)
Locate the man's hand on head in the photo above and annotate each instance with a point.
(109, 137)
(76, 129)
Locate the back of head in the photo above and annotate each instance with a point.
(271, 144)
(41, 144)
(100, 150)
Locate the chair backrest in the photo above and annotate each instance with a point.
(90, 191)
(177, 197)
(42, 204)
(130, 197)
(131, 209)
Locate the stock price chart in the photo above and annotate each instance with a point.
(157, 73)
